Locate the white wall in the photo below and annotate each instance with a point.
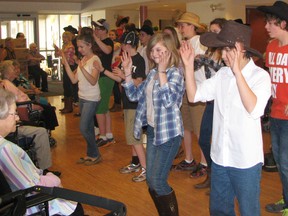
(39, 7)
(229, 9)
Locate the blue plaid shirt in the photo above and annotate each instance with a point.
(167, 101)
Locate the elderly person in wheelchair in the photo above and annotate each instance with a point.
(27, 108)
(17, 166)
(22, 82)
(42, 142)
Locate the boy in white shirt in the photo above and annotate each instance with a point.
(240, 92)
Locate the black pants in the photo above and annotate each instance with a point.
(69, 89)
(38, 74)
(79, 211)
(116, 93)
(49, 117)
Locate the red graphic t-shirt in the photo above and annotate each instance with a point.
(277, 61)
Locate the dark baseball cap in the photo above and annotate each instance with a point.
(130, 38)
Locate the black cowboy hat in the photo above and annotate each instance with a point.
(279, 9)
(231, 33)
(121, 19)
(71, 29)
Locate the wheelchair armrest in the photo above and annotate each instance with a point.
(24, 103)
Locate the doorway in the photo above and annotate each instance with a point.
(10, 26)
(260, 38)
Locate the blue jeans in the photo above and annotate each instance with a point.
(88, 111)
(206, 132)
(279, 139)
(228, 183)
(159, 161)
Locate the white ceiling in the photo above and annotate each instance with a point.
(59, 1)
(163, 5)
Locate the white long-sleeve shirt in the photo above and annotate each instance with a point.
(237, 136)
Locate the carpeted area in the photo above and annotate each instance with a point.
(55, 88)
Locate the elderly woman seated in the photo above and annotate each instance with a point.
(18, 168)
(8, 74)
(22, 82)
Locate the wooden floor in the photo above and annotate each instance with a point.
(105, 180)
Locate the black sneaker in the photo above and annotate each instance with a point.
(276, 207)
(184, 166)
(111, 140)
(101, 142)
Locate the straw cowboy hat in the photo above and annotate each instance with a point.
(190, 18)
(231, 33)
(279, 9)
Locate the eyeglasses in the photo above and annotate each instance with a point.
(15, 114)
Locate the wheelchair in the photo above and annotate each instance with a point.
(52, 65)
(44, 117)
(15, 203)
(26, 143)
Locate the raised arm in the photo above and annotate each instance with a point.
(72, 76)
(127, 66)
(104, 47)
(187, 55)
(108, 73)
(248, 97)
(162, 66)
(92, 77)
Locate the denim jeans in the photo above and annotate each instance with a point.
(206, 132)
(159, 161)
(88, 111)
(228, 183)
(279, 139)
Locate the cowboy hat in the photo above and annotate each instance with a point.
(231, 33)
(70, 29)
(147, 29)
(121, 19)
(279, 9)
(190, 18)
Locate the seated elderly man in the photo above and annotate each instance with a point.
(34, 58)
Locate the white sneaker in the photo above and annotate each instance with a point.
(141, 177)
(130, 168)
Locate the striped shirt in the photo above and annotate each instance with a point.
(167, 100)
(21, 173)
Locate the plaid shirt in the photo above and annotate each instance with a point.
(167, 101)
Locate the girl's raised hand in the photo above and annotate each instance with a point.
(187, 53)
(63, 59)
(126, 62)
(164, 60)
